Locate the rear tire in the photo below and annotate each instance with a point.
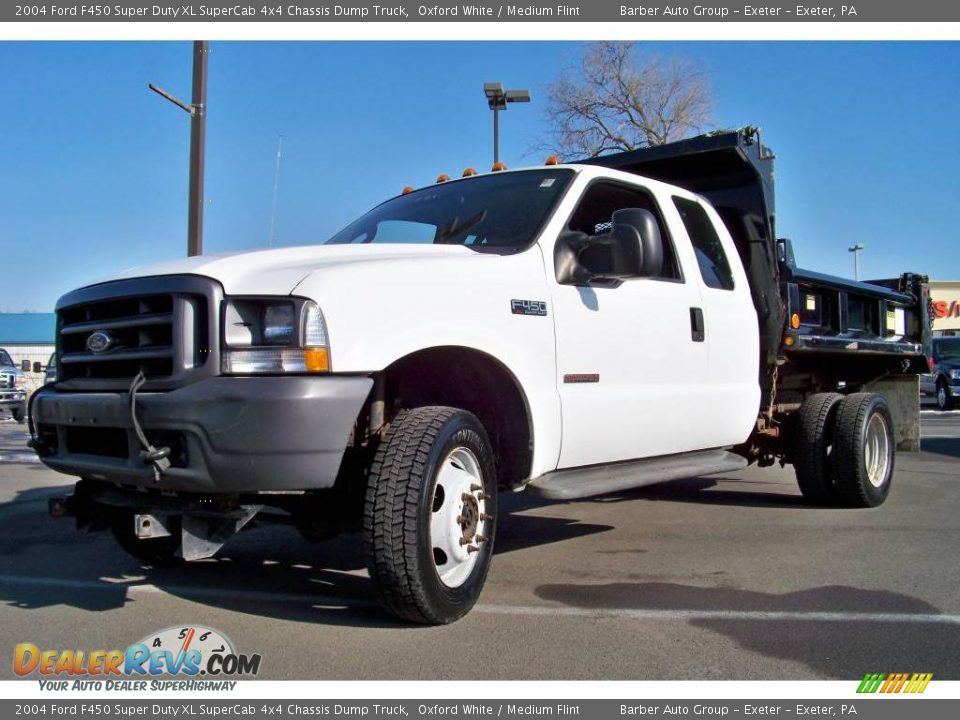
(429, 516)
(17, 415)
(813, 459)
(864, 448)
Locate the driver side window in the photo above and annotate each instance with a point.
(595, 211)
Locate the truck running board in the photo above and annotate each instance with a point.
(602, 479)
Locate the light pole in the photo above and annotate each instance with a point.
(198, 131)
(497, 99)
(855, 249)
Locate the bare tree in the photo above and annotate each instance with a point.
(617, 102)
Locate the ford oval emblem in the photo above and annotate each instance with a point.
(99, 342)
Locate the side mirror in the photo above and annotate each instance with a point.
(632, 249)
(25, 365)
(638, 241)
(38, 367)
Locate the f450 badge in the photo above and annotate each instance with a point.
(528, 307)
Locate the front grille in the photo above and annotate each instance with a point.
(164, 327)
(140, 332)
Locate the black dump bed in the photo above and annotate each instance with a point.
(802, 315)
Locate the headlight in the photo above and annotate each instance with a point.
(21, 381)
(269, 336)
(955, 374)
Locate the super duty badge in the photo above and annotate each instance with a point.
(528, 307)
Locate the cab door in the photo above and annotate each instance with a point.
(631, 355)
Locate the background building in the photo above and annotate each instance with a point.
(29, 336)
(946, 306)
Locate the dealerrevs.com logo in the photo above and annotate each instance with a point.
(187, 651)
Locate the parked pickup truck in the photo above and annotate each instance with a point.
(943, 380)
(568, 330)
(13, 395)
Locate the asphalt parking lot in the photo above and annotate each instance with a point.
(713, 578)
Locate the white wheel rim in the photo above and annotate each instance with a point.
(459, 524)
(876, 450)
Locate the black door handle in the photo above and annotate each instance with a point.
(696, 324)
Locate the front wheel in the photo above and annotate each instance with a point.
(17, 414)
(944, 401)
(429, 515)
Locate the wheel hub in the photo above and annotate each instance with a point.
(458, 521)
(469, 516)
(876, 450)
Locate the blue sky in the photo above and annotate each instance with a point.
(93, 166)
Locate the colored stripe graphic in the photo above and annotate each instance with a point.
(870, 683)
(894, 682)
(919, 682)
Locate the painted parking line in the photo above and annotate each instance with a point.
(17, 457)
(657, 615)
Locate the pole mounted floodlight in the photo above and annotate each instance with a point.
(855, 249)
(198, 131)
(497, 99)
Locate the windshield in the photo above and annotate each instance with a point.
(497, 211)
(946, 349)
(4, 358)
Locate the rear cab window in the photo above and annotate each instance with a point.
(711, 258)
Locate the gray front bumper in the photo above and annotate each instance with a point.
(229, 434)
(10, 400)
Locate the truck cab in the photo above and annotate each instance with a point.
(569, 330)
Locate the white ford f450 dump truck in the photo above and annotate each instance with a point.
(570, 330)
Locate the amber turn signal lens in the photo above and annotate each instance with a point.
(443, 178)
(407, 189)
(469, 172)
(552, 160)
(795, 321)
(316, 360)
(788, 341)
(498, 166)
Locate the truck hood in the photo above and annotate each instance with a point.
(269, 272)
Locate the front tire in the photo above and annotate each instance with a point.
(429, 515)
(17, 415)
(864, 449)
(944, 401)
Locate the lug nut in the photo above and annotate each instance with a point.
(474, 488)
(482, 538)
(472, 549)
(486, 517)
(466, 497)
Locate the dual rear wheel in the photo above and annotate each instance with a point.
(843, 449)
